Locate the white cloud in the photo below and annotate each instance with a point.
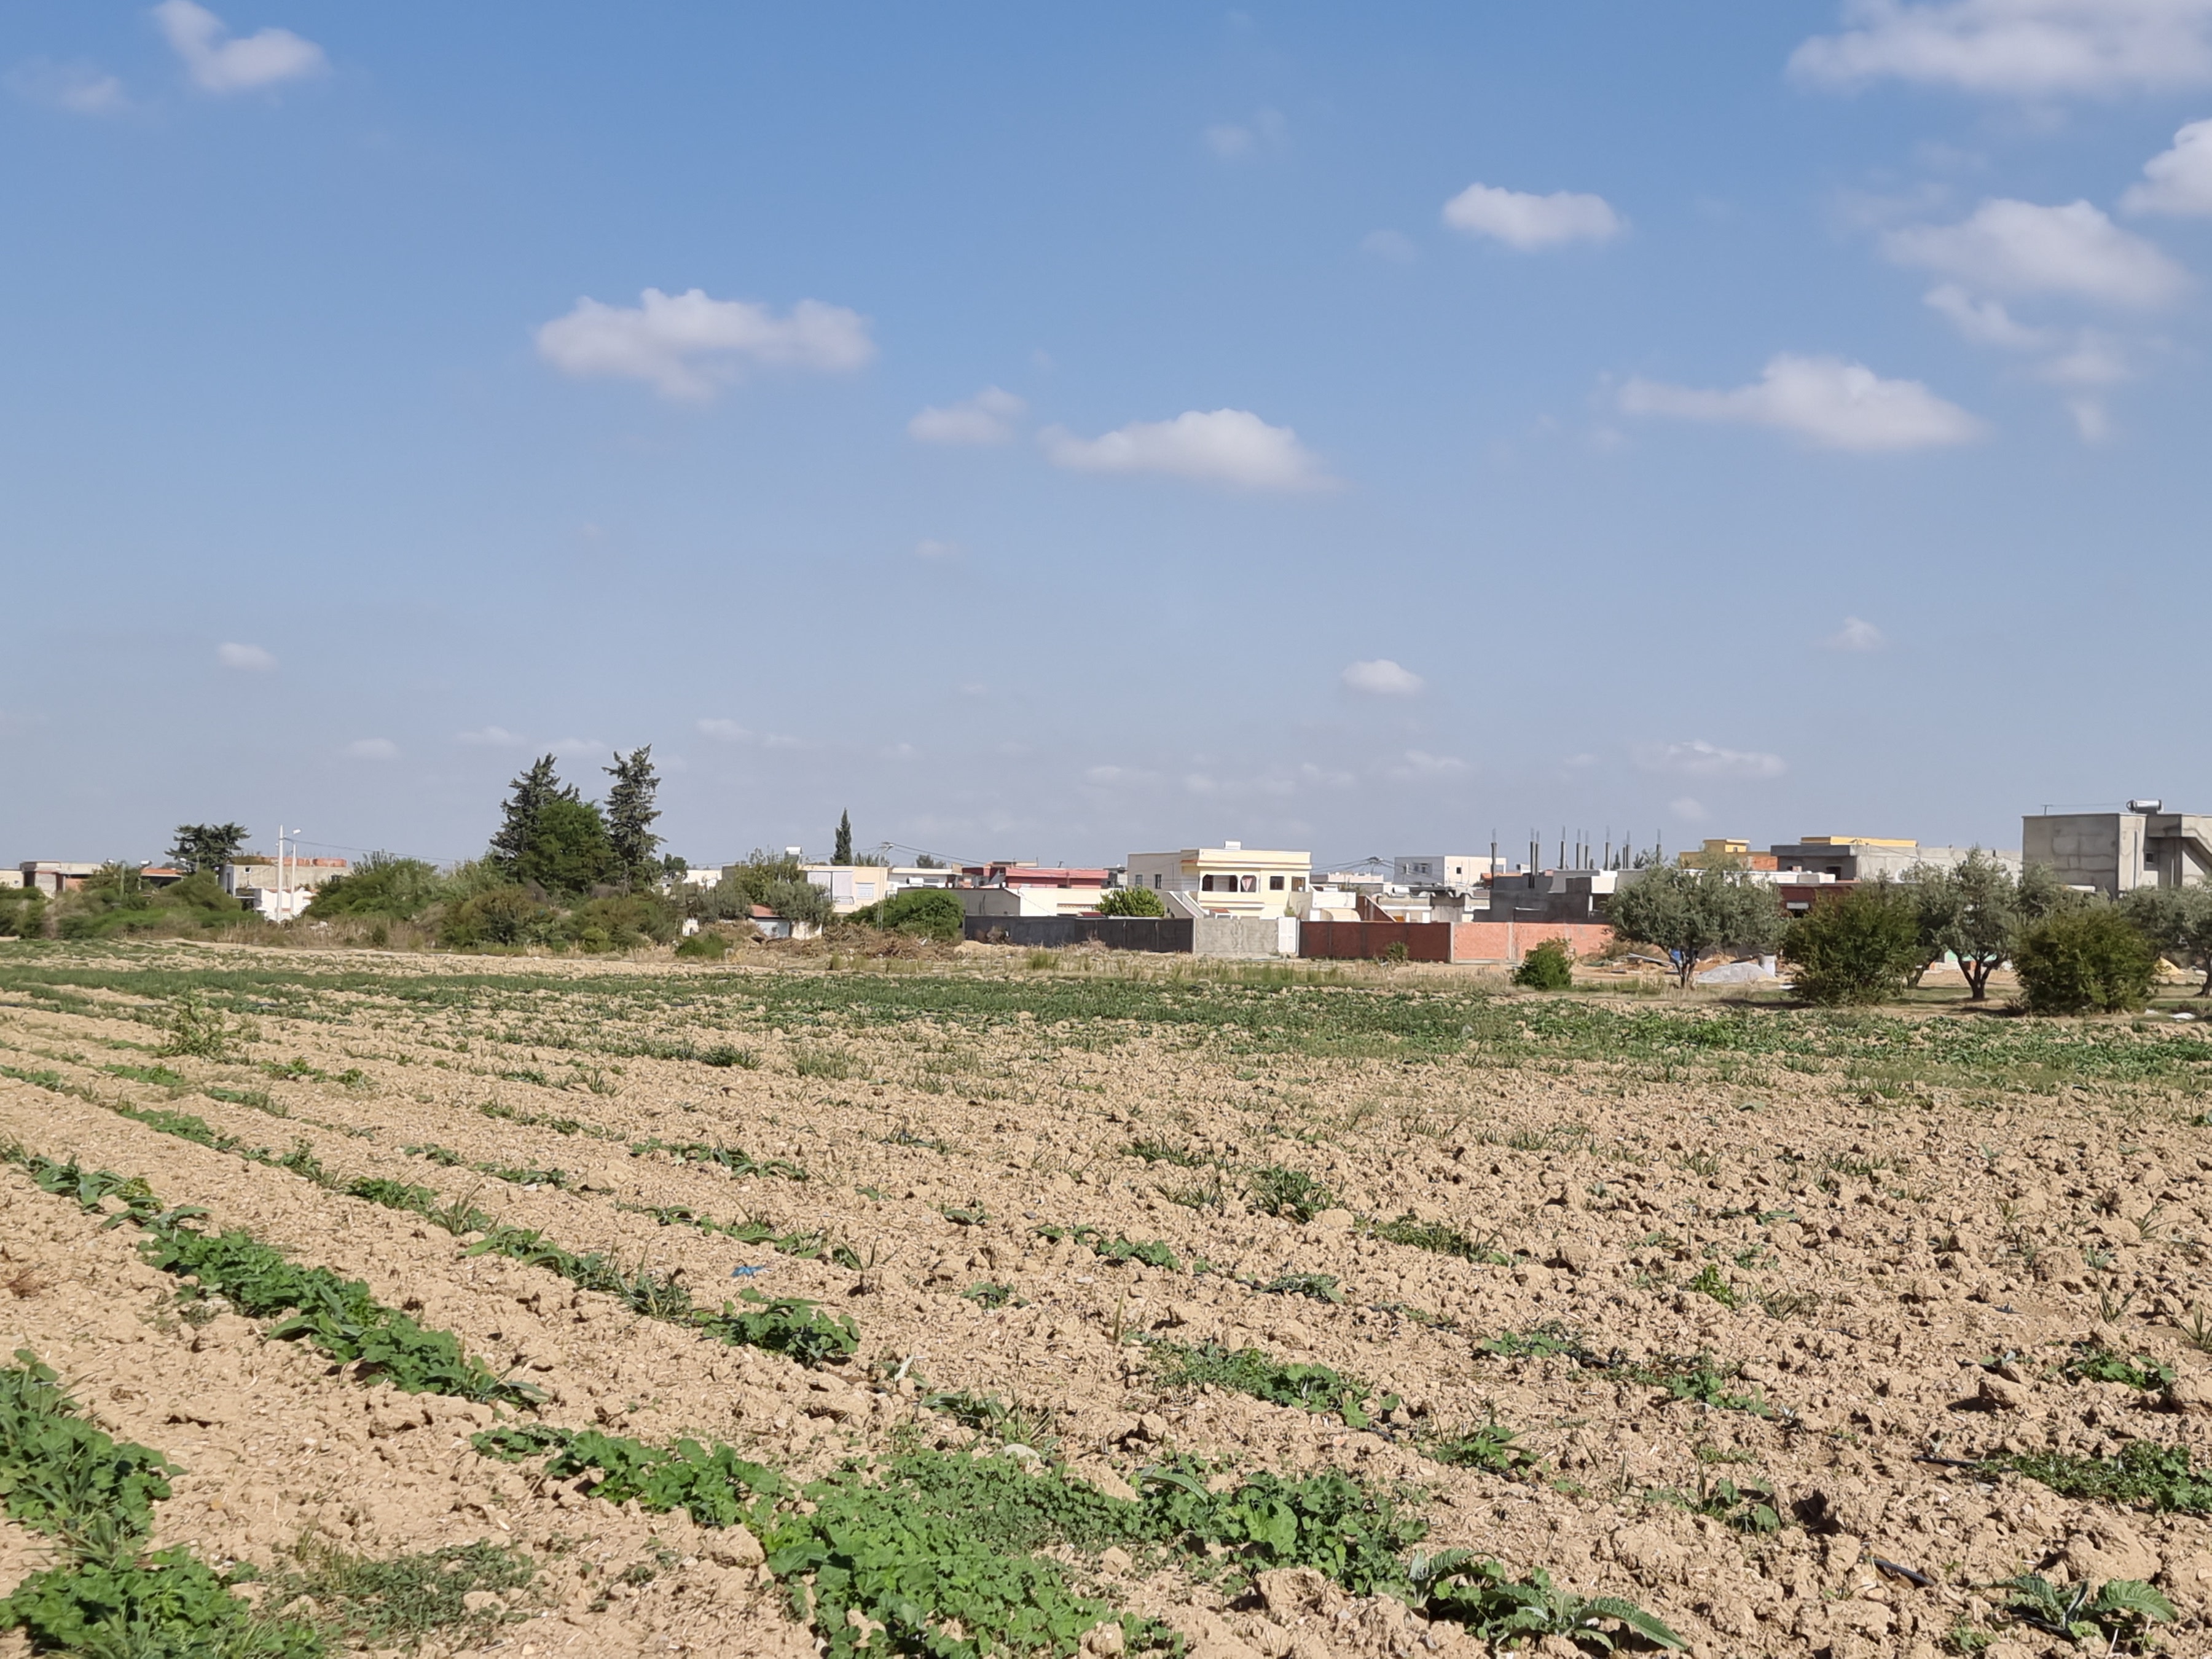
(251, 658)
(2092, 361)
(492, 737)
(1266, 131)
(240, 63)
(1688, 810)
(1383, 678)
(373, 749)
(1986, 322)
(2091, 421)
(1119, 777)
(1834, 404)
(1700, 759)
(567, 747)
(686, 344)
(1394, 246)
(2034, 47)
(723, 731)
(986, 418)
(929, 548)
(2177, 181)
(1418, 763)
(1527, 222)
(1226, 446)
(1856, 634)
(2022, 247)
(80, 89)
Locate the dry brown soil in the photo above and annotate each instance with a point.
(1882, 1242)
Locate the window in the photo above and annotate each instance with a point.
(1298, 884)
(1206, 884)
(1156, 882)
(1248, 884)
(1275, 884)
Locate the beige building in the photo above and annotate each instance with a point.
(851, 886)
(1231, 879)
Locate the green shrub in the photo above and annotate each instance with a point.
(620, 923)
(1291, 1194)
(1862, 946)
(2082, 959)
(927, 911)
(382, 886)
(799, 901)
(568, 851)
(507, 916)
(1549, 967)
(1130, 901)
(23, 912)
(705, 945)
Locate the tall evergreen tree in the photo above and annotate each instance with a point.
(206, 846)
(631, 813)
(531, 793)
(844, 853)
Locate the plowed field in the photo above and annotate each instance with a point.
(1209, 1310)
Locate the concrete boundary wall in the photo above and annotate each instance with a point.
(1252, 937)
(1058, 932)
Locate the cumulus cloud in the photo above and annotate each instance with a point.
(2029, 47)
(1700, 759)
(251, 658)
(986, 418)
(220, 61)
(373, 749)
(685, 345)
(1394, 246)
(1832, 404)
(1416, 764)
(1383, 678)
(567, 746)
(1986, 322)
(1232, 142)
(1528, 222)
(2177, 181)
(1230, 447)
(80, 89)
(2021, 247)
(2091, 421)
(723, 731)
(492, 737)
(1856, 634)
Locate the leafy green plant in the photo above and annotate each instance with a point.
(1130, 901)
(705, 945)
(1438, 1236)
(1489, 1447)
(1858, 947)
(2145, 1475)
(1165, 1152)
(1549, 967)
(2116, 1615)
(1508, 1612)
(203, 1032)
(925, 911)
(2095, 1363)
(1321, 1287)
(1712, 1282)
(988, 1294)
(167, 1604)
(734, 1159)
(1291, 1194)
(723, 1053)
(1748, 1507)
(1255, 1372)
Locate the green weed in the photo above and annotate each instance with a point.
(1291, 1194)
(1318, 1388)
(2145, 1475)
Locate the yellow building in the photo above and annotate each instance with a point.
(1231, 879)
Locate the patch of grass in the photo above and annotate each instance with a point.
(1035, 1427)
(1437, 1236)
(722, 1054)
(1321, 1287)
(2145, 1475)
(1749, 1507)
(401, 1601)
(1291, 1194)
(159, 1077)
(1317, 1389)
(203, 1032)
(1165, 1152)
(1712, 1282)
(835, 1064)
(734, 1160)
(1488, 1447)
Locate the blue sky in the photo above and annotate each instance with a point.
(1053, 433)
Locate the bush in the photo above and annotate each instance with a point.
(23, 912)
(568, 850)
(1862, 946)
(799, 901)
(705, 945)
(498, 916)
(1549, 967)
(927, 911)
(2078, 960)
(396, 888)
(1130, 901)
(620, 923)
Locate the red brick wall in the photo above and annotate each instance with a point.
(1510, 941)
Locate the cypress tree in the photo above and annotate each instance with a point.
(631, 813)
(530, 794)
(844, 853)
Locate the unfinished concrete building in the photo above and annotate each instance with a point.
(2115, 852)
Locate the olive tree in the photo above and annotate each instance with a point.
(2178, 921)
(1976, 909)
(1690, 913)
